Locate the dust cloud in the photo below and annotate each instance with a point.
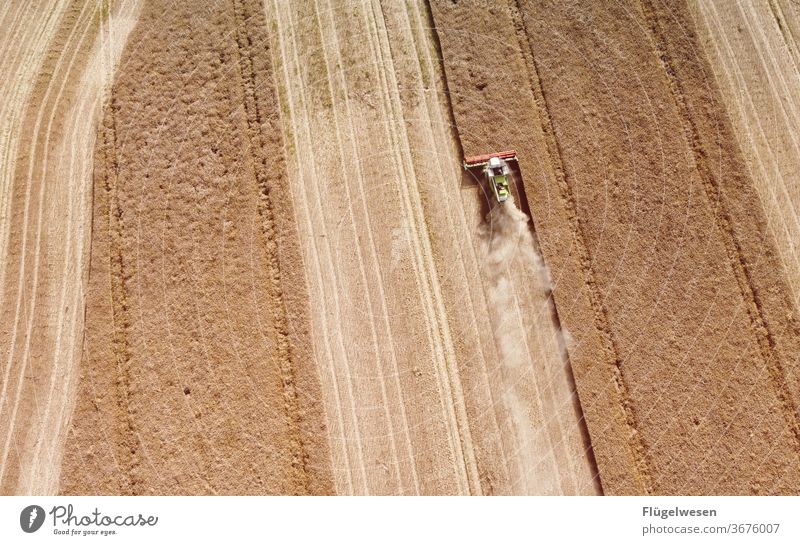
(506, 244)
(508, 255)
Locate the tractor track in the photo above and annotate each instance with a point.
(127, 444)
(249, 18)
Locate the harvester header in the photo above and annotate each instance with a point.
(481, 160)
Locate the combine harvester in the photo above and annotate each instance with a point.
(495, 167)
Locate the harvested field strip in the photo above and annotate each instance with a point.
(334, 349)
(46, 192)
(338, 97)
(32, 203)
(751, 49)
(787, 18)
(426, 79)
(22, 68)
(424, 261)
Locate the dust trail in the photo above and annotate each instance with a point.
(507, 244)
(508, 255)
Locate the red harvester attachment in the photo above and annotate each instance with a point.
(480, 160)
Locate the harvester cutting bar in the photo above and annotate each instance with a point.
(481, 160)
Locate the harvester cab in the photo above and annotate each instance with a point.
(495, 168)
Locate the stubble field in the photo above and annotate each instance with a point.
(240, 254)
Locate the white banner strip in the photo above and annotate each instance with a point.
(374, 521)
